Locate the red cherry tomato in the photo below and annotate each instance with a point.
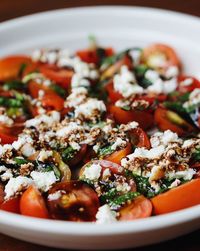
(11, 205)
(139, 208)
(168, 120)
(50, 100)
(139, 138)
(33, 204)
(144, 118)
(118, 155)
(78, 157)
(183, 88)
(9, 134)
(113, 95)
(59, 75)
(10, 66)
(166, 54)
(91, 56)
(76, 201)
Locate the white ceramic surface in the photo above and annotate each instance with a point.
(122, 27)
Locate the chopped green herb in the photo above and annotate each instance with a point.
(123, 199)
(51, 167)
(140, 70)
(196, 155)
(59, 90)
(20, 161)
(68, 153)
(14, 84)
(22, 69)
(126, 108)
(105, 151)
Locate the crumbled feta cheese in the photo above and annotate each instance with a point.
(172, 72)
(36, 55)
(71, 127)
(7, 175)
(105, 215)
(27, 150)
(118, 143)
(16, 185)
(164, 138)
(47, 119)
(123, 187)
(125, 83)
(186, 174)
(2, 169)
(152, 76)
(153, 153)
(92, 172)
(44, 155)
(4, 119)
(77, 97)
(175, 183)
(88, 109)
(106, 173)
(186, 82)
(43, 180)
(5, 148)
(55, 196)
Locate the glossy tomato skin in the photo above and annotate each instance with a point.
(11, 205)
(60, 76)
(32, 204)
(195, 83)
(139, 208)
(79, 156)
(118, 155)
(9, 134)
(163, 121)
(144, 118)
(113, 95)
(10, 66)
(77, 202)
(139, 138)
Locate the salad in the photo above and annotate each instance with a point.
(98, 135)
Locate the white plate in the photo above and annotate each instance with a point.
(122, 27)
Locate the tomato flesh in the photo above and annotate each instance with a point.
(32, 204)
(139, 208)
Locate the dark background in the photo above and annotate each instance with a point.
(15, 8)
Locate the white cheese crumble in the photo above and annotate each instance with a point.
(55, 196)
(77, 96)
(172, 72)
(118, 143)
(43, 180)
(105, 215)
(71, 127)
(44, 155)
(4, 119)
(164, 138)
(16, 185)
(125, 83)
(186, 82)
(194, 98)
(47, 119)
(186, 175)
(90, 108)
(92, 172)
(7, 175)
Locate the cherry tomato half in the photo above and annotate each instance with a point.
(33, 204)
(160, 56)
(10, 66)
(76, 201)
(187, 84)
(169, 120)
(139, 208)
(139, 138)
(144, 118)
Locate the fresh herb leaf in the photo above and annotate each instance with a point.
(59, 90)
(22, 69)
(51, 167)
(140, 70)
(14, 84)
(145, 83)
(68, 153)
(126, 108)
(10, 102)
(123, 199)
(20, 161)
(196, 155)
(105, 151)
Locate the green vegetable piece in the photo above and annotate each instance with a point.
(20, 161)
(68, 153)
(123, 199)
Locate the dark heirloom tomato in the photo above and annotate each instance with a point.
(78, 157)
(140, 207)
(144, 118)
(169, 120)
(77, 201)
(10, 66)
(153, 54)
(183, 88)
(61, 76)
(33, 204)
(139, 138)
(118, 155)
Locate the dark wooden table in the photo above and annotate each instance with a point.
(14, 8)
